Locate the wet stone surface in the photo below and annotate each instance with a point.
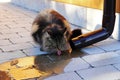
(4, 76)
(38, 67)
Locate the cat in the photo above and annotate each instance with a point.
(52, 32)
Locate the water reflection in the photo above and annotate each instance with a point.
(54, 64)
(40, 66)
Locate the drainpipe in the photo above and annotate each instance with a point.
(101, 34)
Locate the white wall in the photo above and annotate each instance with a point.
(116, 32)
(35, 5)
(88, 18)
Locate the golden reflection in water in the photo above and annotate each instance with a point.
(40, 66)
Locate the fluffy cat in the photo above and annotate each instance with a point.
(52, 31)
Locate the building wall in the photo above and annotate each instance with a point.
(97, 4)
(85, 14)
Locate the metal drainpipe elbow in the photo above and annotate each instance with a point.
(103, 33)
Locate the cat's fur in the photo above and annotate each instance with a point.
(52, 31)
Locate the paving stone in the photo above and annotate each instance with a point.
(108, 45)
(4, 42)
(22, 10)
(117, 51)
(12, 26)
(11, 55)
(21, 40)
(100, 73)
(8, 36)
(8, 22)
(3, 27)
(27, 21)
(16, 47)
(0, 51)
(76, 64)
(35, 44)
(27, 28)
(117, 66)
(65, 76)
(25, 34)
(102, 59)
(92, 50)
(2, 61)
(14, 30)
(34, 51)
(17, 25)
(13, 16)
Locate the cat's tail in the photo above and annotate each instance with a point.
(75, 33)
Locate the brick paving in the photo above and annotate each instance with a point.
(102, 61)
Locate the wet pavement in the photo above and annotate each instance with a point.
(37, 67)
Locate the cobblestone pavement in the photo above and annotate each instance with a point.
(101, 63)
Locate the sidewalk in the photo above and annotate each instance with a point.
(102, 61)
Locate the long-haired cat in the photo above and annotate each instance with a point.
(52, 31)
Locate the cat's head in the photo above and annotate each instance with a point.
(56, 39)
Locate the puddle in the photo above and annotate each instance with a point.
(4, 76)
(40, 66)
